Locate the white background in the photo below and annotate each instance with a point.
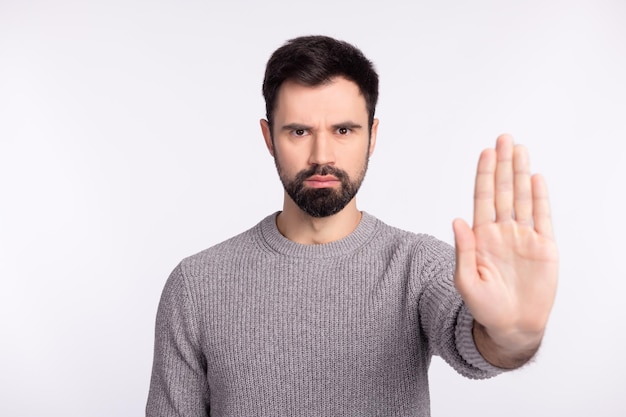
(129, 139)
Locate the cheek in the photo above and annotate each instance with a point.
(358, 160)
(286, 165)
(290, 158)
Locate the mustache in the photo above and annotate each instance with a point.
(322, 170)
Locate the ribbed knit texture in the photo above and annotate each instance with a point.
(262, 326)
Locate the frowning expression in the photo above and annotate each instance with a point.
(321, 143)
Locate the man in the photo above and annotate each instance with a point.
(324, 310)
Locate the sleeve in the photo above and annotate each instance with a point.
(444, 319)
(178, 386)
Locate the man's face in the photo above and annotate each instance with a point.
(321, 144)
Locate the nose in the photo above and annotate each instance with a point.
(322, 150)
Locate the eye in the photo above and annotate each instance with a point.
(343, 131)
(299, 132)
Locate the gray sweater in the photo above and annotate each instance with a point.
(262, 326)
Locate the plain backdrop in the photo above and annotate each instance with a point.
(129, 139)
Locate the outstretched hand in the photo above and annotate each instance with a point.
(507, 262)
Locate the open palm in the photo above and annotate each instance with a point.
(507, 262)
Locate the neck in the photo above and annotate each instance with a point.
(299, 227)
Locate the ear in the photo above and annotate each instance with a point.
(373, 136)
(267, 135)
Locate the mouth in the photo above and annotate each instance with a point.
(322, 181)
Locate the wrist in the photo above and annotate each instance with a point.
(506, 349)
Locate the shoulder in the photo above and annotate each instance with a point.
(244, 245)
(416, 243)
(423, 256)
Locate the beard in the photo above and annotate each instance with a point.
(321, 202)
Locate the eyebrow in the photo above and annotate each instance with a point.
(297, 126)
(347, 124)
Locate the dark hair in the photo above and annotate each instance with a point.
(315, 60)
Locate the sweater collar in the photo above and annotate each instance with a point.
(274, 240)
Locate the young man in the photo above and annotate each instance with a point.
(324, 310)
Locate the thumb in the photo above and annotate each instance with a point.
(465, 247)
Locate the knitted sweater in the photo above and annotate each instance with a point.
(262, 326)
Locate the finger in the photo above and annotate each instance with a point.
(465, 247)
(523, 194)
(541, 207)
(484, 188)
(504, 178)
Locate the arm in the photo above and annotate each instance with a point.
(507, 262)
(178, 386)
(445, 321)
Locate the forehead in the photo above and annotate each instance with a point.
(339, 98)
